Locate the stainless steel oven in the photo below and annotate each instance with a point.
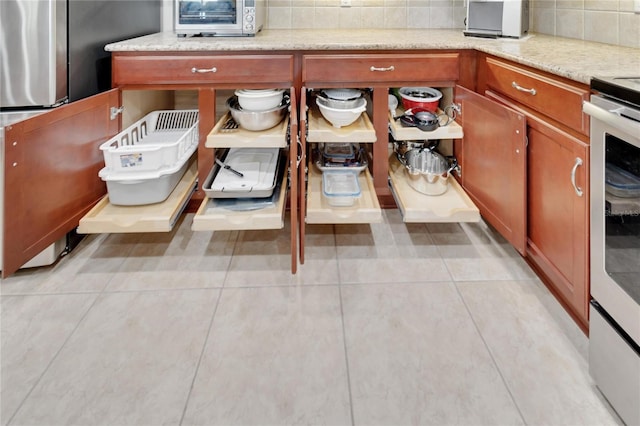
(614, 325)
(219, 17)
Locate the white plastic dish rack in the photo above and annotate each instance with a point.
(160, 140)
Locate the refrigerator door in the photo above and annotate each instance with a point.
(33, 48)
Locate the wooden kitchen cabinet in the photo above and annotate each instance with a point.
(558, 197)
(82, 126)
(557, 192)
(208, 73)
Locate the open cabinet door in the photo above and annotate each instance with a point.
(51, 174)
(494, 160)
(302, 173)
(293, 184)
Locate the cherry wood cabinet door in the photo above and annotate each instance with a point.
(51, 174)
(558, 212)
(494, 161)
(302, 172)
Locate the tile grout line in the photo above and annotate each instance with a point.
(97, 296)
(344, 332)
(493, 359)
(204, 346)
(53, 358)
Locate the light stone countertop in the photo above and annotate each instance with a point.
(577, 60)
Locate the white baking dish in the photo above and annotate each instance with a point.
(258, 166)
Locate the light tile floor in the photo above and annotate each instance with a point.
(384, 324)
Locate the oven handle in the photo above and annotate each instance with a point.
(611, 118)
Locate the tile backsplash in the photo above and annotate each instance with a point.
(605, 21)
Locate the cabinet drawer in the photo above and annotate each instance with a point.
(380, 68)
(198, 69)
(554, 98)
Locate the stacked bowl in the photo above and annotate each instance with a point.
(258, 109)
(341, 107)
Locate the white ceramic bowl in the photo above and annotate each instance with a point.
(260, 99)
(340, 117)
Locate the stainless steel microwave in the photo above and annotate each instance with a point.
(230, 18)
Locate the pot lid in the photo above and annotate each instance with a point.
(342, 94)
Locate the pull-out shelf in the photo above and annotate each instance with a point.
(212, 217)
(320, 130)
(366, 208)
(105, 217)
(219, 137)
(452, 206)
(401, 133)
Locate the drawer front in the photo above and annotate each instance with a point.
(554, 98)
(140, 69)
(380, 68)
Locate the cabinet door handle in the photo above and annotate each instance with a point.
(391, 68)
(203, 70)
(523, 89)
(573, 176)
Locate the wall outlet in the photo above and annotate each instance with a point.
(347, 3)
(636, 6)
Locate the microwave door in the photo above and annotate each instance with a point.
(33, 48)
(216, 15)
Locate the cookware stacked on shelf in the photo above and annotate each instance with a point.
(340, 164)
(258, 109)
(341, 107)
(428, 170)
(246, 178)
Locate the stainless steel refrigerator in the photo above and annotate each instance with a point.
(52, 51)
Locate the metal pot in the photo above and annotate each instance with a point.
(256, 121)
(428, 171)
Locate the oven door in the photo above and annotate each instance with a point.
(615, 211)
(222, 17)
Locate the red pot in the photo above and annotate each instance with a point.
(427, 98)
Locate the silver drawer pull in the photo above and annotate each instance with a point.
(391, 68)
(522, 89)
(203, 70)
(573, 176)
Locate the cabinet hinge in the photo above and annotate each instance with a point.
(115, 111)
(457, 110)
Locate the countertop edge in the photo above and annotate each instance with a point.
(577, 60)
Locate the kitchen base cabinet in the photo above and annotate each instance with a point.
(557, 175)
(558, 199)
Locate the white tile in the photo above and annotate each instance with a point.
(34, 328)
(415, 357)
(481, 269)
(130, 361)
(274, 356)
(545, 372)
